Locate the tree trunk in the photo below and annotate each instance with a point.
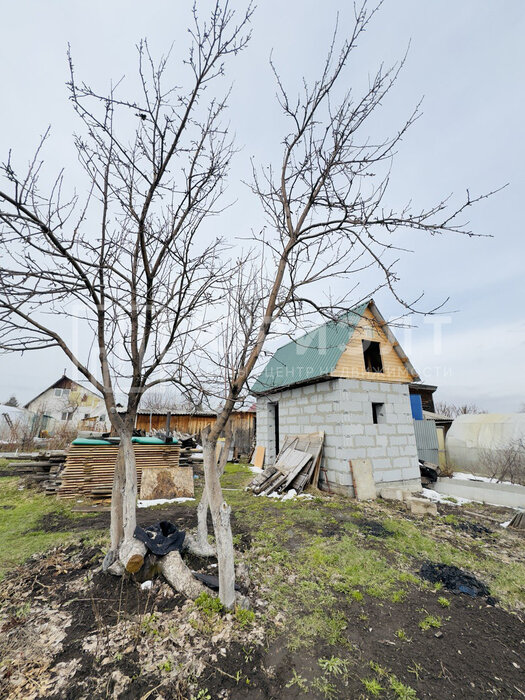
(179, 576)
(117, 497)
(131, 550)
(220, 513)
(202, 508)
(202, 520)
(126, 552)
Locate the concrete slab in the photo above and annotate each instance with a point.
(421, 506)
(390, 494)
(507, 495)
(363, 479)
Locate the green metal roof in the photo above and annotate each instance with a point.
(312, 356)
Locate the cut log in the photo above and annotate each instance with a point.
(179, 576)
(200, 549)
(131, 555)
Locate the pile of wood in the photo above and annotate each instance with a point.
(297, 465)
(89, 469)
(190, 453)
(38, 469)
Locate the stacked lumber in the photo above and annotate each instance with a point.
(297, 465)
(40, 469)
(89, 469)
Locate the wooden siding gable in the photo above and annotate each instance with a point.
(351, 364)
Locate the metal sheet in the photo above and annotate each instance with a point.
(427, 441)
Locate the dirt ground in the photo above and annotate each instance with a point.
(321, 624)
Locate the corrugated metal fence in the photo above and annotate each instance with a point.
(427, 440)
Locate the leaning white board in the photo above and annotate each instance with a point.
(363, 479)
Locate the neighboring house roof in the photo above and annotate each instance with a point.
(63, 383)
(417, 387)
(429, 415)
(315, 355)
(14, 412)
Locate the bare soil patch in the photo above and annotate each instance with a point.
(67, 631)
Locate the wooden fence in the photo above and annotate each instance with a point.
(242, 422)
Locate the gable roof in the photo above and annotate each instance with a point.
(63, 383)
(314, 356)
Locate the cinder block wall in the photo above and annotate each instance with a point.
(343, 409)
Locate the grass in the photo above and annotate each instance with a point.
(401, 691)
(314, 568)
(307, 572)
(3, 465)
(401, 634)
(208, 604)
(372, 686)
(430, 622)
(20, 536)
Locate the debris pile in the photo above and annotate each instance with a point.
(429, 472)
(456, 580)
(518, 521)
(297, 465)
(190, 452)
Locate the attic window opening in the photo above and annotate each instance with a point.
(372, 356)
(378, 413)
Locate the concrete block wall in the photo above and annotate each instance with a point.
(391, 445)
(342, 408)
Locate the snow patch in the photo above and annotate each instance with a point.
(290, 495)
(466, 476)
(458, 500)
(162, 501)
(443, 498)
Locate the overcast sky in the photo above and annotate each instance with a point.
(466, 59)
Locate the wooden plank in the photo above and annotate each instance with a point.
(260, 479)
(300, 466)
(258, 456)
(298, 459)
(290, 459)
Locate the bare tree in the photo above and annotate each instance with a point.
(326, 215)
(159, 400)
(326, 219)
(451, 410)
(505, 462)
(127, 262)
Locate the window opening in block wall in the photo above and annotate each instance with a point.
(372, 356)
(378, 413)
